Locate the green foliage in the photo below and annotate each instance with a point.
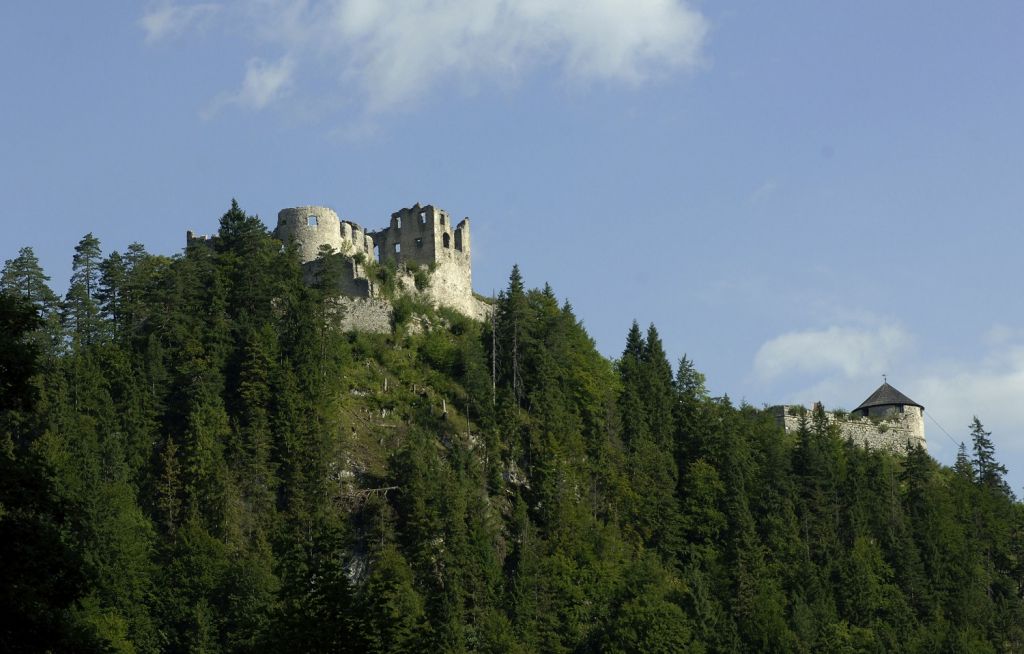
(212, 466)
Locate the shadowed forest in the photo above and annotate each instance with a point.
(193, 460)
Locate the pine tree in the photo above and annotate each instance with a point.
(963, 466)
(111, 291)
(511, 326)
(24, 277)
(989, 473)
(81, 311)
(42, 577)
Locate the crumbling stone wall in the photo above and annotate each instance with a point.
(311, 227)
(891, 431)
(364, 315)
(417, 237)
(424, 236)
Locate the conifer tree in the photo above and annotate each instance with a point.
(81, 310)
(988, 472)
(23, 276)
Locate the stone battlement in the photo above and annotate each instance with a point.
(887, 420)
(422, 244)
(310, 228)
(890, 433)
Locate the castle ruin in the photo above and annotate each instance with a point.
(420, 243)
(887, 420)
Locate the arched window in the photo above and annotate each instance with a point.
(447, 240)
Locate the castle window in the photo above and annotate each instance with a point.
(398, 222)
(311, 220)
(419, 242)
(458, 240)
(442, 220)
(398, 248)
(376, 253)
(447, 239)
(423, 217)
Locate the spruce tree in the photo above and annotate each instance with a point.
(81, 309)
(989, 473)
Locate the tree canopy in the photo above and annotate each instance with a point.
(194, 459)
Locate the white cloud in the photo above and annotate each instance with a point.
(842, 365)
(397, 49)
(387, 52)
(849, 351)
(168, 21)
(264, 82)
(991, 390)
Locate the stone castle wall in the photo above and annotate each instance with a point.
(416, 237)
(890, 431)
(312, 227)
(423, 236)
(358, 314)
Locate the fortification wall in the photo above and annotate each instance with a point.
(352, 280)
(364, 315)
(312, 227)
(423, 235)
(417, 237)
(450, 286)
(889, 432)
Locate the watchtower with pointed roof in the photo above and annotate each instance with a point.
(885, 401)
(888, 419)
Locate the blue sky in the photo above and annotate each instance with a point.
(802, 196)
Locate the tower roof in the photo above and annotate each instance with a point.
(886, 395)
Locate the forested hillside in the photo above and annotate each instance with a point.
(193, 460)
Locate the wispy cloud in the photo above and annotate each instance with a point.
(847, 351)
(842, 364)
(764, 191)
(388, 52)
(264, 82)
(991, 389)
(168, 21)
(397, 49)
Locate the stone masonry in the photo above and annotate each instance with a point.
(418, 238)
(886, 420)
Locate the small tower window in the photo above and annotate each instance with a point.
(423, 217)
(398, 222)
(458, 240)
(447, 240)
(398, 248)
(442, 220)
(419, 242)
(311, 220)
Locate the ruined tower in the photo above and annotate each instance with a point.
(425, 236)
(416, 238)
(313, 227)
